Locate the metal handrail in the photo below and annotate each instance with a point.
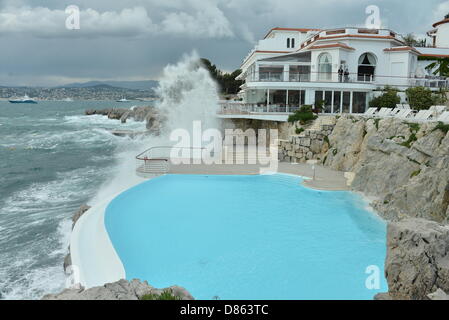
(138, 157)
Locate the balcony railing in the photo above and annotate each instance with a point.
(379, 80)
(248, 108)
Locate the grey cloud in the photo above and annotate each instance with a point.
(138, 43)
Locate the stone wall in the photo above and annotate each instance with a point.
(309, 145)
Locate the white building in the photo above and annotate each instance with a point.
(343, 67)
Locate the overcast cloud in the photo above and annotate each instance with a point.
(135, 39)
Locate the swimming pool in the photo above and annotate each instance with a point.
(247, 237)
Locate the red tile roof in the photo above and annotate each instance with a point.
(440, 22)
(395, 49)
(303, 30)
(333, 45)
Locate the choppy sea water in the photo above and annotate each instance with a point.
(52, 160)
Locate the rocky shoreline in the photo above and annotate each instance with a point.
(123, 290)
(151, 115)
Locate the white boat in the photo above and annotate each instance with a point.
(25, 99)
(123, 100)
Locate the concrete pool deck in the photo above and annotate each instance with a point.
(91, 249)
(325, 178)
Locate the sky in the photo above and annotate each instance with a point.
(135, 39)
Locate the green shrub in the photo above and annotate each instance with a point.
(303, 115)
(165, 295)
(299, 130)
(421, 98)
(441, 126)
(319, 105)
(389, 99)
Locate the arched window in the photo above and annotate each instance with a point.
(325, 67)
(367, 67)
(293, 42)
(288, 42)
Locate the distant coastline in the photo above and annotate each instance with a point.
(94, 90)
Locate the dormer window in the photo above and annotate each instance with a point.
(293, 42)
(288, 42)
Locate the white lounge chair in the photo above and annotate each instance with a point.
(403, 106)
(370, 112)
(444, 117)
(423, 115)
(396, 111)
(384, 112)
(404, 114)
(437, 110)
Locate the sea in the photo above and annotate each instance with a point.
(53, 159)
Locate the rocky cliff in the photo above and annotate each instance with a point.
(417, 263)
(405, 166)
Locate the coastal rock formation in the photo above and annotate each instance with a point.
(151, 115)
(417, 263)
(82, 210)
(120, 290)
(403, 165)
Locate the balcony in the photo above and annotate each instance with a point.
(351, 78)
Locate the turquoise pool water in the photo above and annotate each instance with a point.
(247, 237)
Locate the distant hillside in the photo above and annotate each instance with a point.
(133, 85)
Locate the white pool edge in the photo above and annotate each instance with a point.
(94, 259)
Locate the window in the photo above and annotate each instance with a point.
(293, 42)
(367, 67)
(325, 67)
(288, 42)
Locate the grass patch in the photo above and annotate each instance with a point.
(165, 295)
(335, 151)
(414, 127)
(415, 173)
(410, 141)
(441, 126)
(376, 123)
(299, 130)
(326, 139)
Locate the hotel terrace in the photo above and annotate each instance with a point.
(342, 67)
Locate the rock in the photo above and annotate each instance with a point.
(149, 114)
(346, 139)
(382, 296)
(67, 261)
(438, 295)
(417, 262)
(79, 213)
(120, 290)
